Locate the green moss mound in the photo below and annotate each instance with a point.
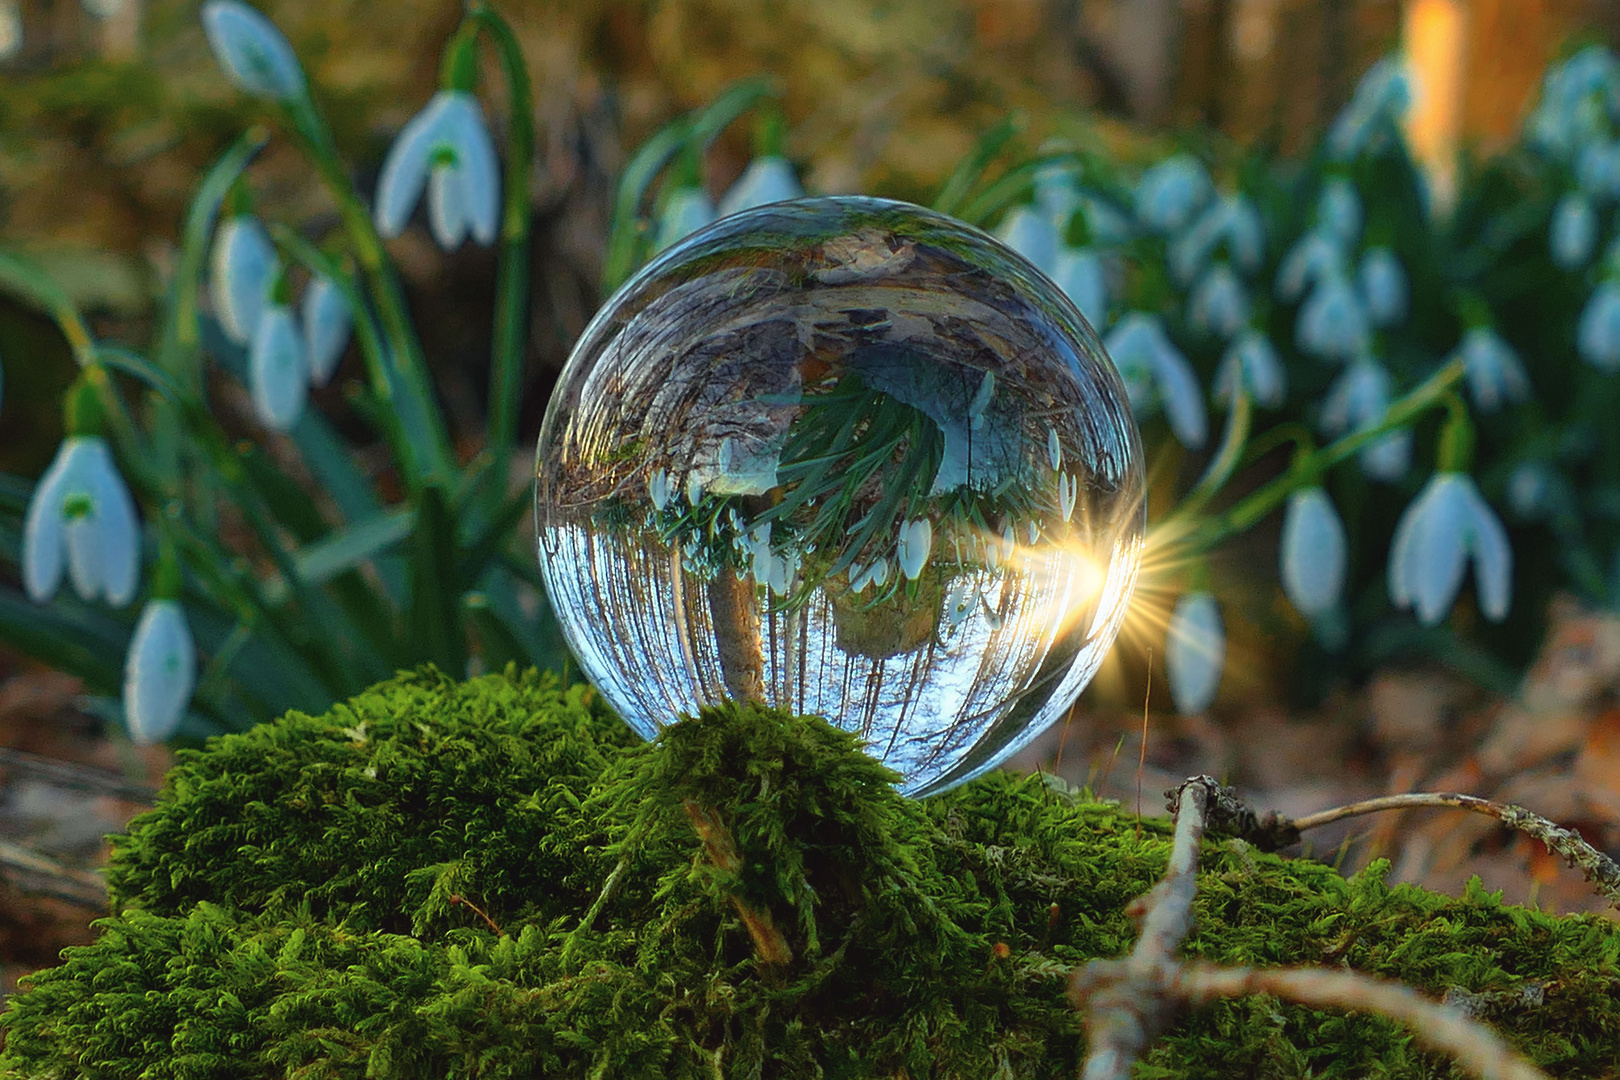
(310, 899)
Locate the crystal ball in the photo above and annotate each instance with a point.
(850, 457)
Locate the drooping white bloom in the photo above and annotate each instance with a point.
(1314, 552)
(1332, 323)
(768, 179)
(328, 321)
(1252, 362)
(1068, 495)
(1231, 220)
(1219, 304)
(1194, 652)
(1448, 523)
(1032, 234)
(1055, 192)
(960, 600)
(1338, 210)
(1171, 192)
(1574, 231)
(1315, 256)
(1529, 488)
(160, 672)
(81, 514)
(1387, 457)
(1495, 375)
(659, 489)
(1373, 116)
(1358, 400)
(252, 52)
(447, 149)
(242, 268)
(1597, 338)
(1574, 101)
(1079, 273)
(1597, 168)
(278, 369)
(1383, 286)
(1156, 374)
(916, 540)
(1054, 449)
(687, 211)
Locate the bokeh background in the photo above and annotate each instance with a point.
(111, 109)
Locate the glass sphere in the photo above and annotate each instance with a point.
(849, 457)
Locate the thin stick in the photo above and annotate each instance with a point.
(1141, 761)
(30, 872)
(1474, 1047)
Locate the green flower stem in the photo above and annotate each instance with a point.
(1224, 463)
(625, 233)
(972, 167)
(1012, 185)
(512, 278)
(1308, 468)
(436, 461)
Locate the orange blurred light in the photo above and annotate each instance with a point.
(1435, 37)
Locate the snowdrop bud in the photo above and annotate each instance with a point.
(1597, 338)
(1338, 210)
(768, 179)
(446, 148)
(1054, 190)
(1080, 275)
(1573, 235)
(1245, 234)
(1068, 494)
(1528, 489)
(1492, 369)
(1156, 374)
(1358, 399)
(1380, 100)
(1219, 304)
(959, 603)
(1597, 167)
(278, 370)
(1054, 449)
(160, 672)
(81, 514)
(1315, 256)
(1388, 457)
(1192, 248)
(1314, 551)
(916, 539)
(687, 211)
(328, 321)
(1446, 525)
(1251, 362)
(658, 489)
(1171, 192)
(242, 267)
(251, 51)
(1194, 652)
(1032, 235)
(1383, 286)
(1332, 323)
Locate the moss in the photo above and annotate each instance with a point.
(290, 908)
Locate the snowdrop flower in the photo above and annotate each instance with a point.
(1314, 552)
(659, 489)
(1380, 101)
(1054, 449)
(160, 672)
(1492, 369)
(1572, 108)
(81, 509)
(1219, 303)
(1156, 373)
(1597, 338)
(1068, 494)
(768, 179)
(242, 267)
(1105, 224)
(1032, 235)
(1332, 324)
(278, 369)
(447, 149)
(1079, 273)
(1170, 193)
(1194, 652)
(328, 321)
(1383, 286)
(959, 603)
(876, 574)
(1448, 523)
(1054, 189)
(251, 51)
(1529, 488)
(1314, 256)
(1251, 361)
(916, 539)
(1359, 400)
(1231, 220)
(1338, 210)
(1573, 235)
(687, 211)
(1597, 168)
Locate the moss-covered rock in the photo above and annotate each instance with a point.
(318, 898)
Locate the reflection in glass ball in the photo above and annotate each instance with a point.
(849, 457)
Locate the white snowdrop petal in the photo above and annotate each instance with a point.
(1493, 557)
(160, 672)
(477, 165)
(916, 541)
(328, 322)
(1439, 552)
(242, 267)
(1597, 337)
(1314, 256)
(1332, 323)
(1338, 209)
(120, 529)
(44, 541)
(1219, 303)
(1033, 236)
(252, 52)
(766, 180)
(1314, 552)
(1574, 232)
(1383, 286)
(1194, 652)
(406, 167)
(278, 371)
(1080, 275)
(1182, 397)
(1171, 192)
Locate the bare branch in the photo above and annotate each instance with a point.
(1448, 1030)
(30, 872)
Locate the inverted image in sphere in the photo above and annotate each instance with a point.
(849, 457)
